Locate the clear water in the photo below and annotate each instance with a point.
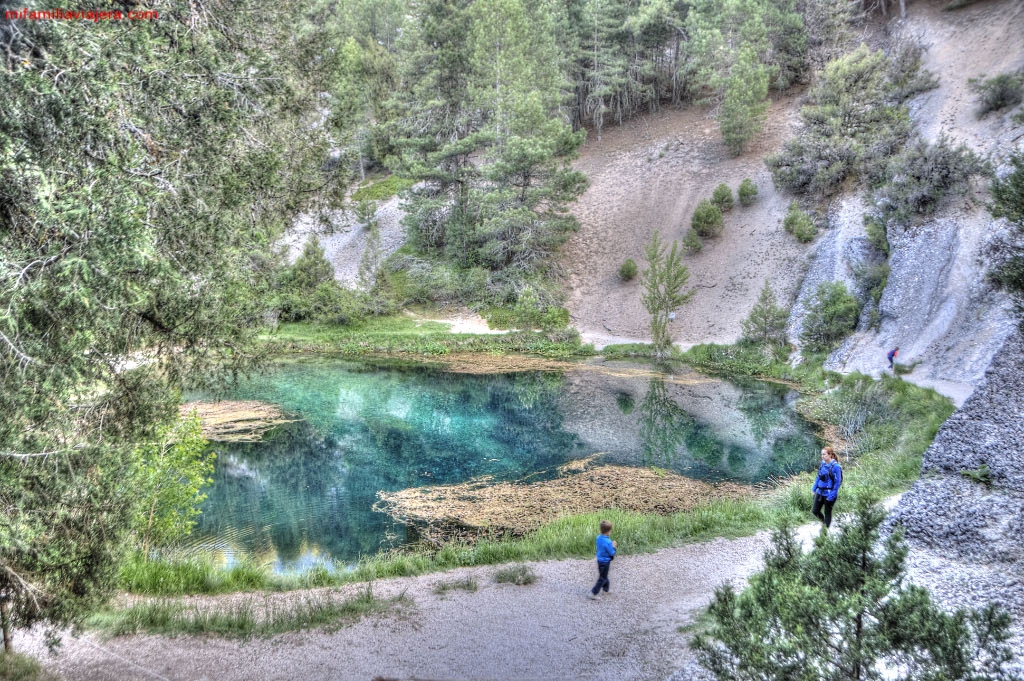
(305, 494)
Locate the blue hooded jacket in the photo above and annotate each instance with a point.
(605, 550)
(830, 479)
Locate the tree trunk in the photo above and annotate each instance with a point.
(5, 619)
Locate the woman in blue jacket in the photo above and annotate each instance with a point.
(826, 486)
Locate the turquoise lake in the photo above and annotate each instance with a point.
(304, 496)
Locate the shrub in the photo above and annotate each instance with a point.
(747, 192)
(519, 575)
(14, 667)
(832, 317)
(464, 584)
(875, 229)
(692, 242)
(707, 219)
(799, 224)
(308, 291)
(382, 189)
(922, 175)
(764, 631)
(744, 107)
(722, 197)
(628, 270)
(1008, 202)
(853, 122)
(998, 92)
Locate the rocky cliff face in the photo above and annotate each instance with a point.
(938, 305)
(965, 517)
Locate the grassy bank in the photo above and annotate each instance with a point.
(244, 619)
(882, 429)
(400, 336)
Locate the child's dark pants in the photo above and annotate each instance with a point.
(822, 504)
(602, 578)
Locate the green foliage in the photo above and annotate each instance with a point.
(876, 232)
(198, 136)
(464, 584)
(14, 667)
(998, 92)
(766, 324)
(520, 575)
(744, 106)
(480, 134)
(981, 475)
(707, 219)
(381, 190)
(241, 619)
(791, 623)
(799, 224)
(853, 122)
(831, 317)
(722, 198)
(308, 291)
(527, 315)
(628, 270)
(166, 576)
(171, 472)
(691, 241)
(663, 281)
(916, 180)
(747, 192)
(389, 336)
(1008, 202)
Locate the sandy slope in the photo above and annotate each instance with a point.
(648, 175)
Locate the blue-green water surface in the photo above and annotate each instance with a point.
(306, 493)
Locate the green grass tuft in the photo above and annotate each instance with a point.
(246, 619)
(15, 667)
(520, 575)
(464, 584)
(382, 189)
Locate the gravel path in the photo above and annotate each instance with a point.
(546, 630)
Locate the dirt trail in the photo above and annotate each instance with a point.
(648, 175)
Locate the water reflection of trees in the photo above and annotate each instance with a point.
(664, 425)
(673, 437)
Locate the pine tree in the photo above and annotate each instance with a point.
(745, 104)
(831, 317)
(766, 324)
(663, 281)
(844, 611)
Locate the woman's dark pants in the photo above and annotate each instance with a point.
(602, 578)
(822, 504)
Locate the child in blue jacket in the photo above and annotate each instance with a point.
(605, 556)
(826, 486)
